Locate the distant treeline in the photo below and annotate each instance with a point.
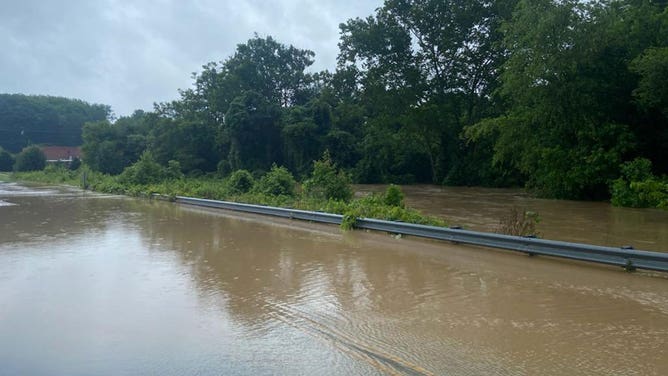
(553, 95)
(39, 119)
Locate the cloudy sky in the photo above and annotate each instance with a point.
(129, 54)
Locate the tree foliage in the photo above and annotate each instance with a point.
(6, 160)
(39, 119)
(240, 181)
(30, 158)
(110, 147)
(327, 182)
(570, 119)
(277, 182)
(145, 171)
(552, 95)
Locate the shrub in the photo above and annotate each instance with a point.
(326, 182)
(241, 181)
(373, 206)
(6, 160)
(145, 171)
(278, 181)
(519, 223)
(638, 188)
(637, 170)
(394, 196)
(30, 159)
(174, 170)
(75, 164)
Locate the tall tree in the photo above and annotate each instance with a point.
(571, 120)
(416, 59)
(110, 147)
(252, 132)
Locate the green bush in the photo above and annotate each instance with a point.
(326, 182)
(30, 159)
(145, 171)
(75, 164)
(394, 196)
(637, 170)
(276, 188)
(277, 182)
(6, 160)
(638, 188)
(240, 181)
(174, 170)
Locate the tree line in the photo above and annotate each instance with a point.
(563, 97)
(40, 119)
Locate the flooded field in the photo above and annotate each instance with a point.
(97, 284)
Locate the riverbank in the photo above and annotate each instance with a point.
(387, 205)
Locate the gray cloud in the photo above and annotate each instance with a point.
(130, 54)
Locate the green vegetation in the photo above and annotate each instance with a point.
(39, 119)
(394, 196)
(240, 181)
(275, 188)
(550, 95)
(6, 160)
(327, 182)
(277, 182)
(30, 159)
(52, 174)
(638, 188)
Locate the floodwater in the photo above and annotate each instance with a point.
(482, 209)
(106, 285)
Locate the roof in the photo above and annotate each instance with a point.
(54, 153)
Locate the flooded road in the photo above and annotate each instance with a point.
(95, 284)
(481, 209)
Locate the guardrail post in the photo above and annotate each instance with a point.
(629, 267)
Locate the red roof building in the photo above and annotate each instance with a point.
(61, 153)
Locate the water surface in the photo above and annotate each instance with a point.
(482, 209)
(95, 284)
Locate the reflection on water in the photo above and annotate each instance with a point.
(107, 285)
(578, 221)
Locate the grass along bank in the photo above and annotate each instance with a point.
(327, 189)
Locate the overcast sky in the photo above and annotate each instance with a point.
(129, 54)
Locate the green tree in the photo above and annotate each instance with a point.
(568, 89)
(252, 132)
(110, 147)
(75, 164)
(39, 119)
(30, 158)
(426, 69)
(652, 67)
(190, 142)
(6, 160)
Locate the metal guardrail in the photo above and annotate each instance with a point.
(628, 258)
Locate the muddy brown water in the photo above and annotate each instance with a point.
(95, 284)
(482, 209)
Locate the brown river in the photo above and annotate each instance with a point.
(95, 284)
